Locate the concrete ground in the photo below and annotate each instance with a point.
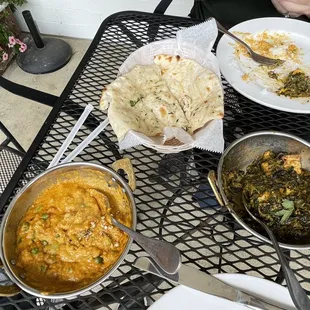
(23, 117)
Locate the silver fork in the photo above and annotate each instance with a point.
(256, 57)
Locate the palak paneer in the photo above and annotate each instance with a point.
(277, 190)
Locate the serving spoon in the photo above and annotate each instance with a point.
(256, 57)
(298, 295)
(166, 255)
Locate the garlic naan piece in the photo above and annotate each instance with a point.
(174, 92)
(141, 100)
(199, 90)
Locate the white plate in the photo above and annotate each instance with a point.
(183, 298)
(298, 31)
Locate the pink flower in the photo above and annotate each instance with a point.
(12, 40)
(23, 47)
(5, 56)
(18, 41)
(10, 45)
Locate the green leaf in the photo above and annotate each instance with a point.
(286, 216)
(288, 204)
(285, 213)
(13, 2)
(280, 213)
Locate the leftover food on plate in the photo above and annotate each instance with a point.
(172, 92)
(277, 190)
(290, 79)
(296, 84)
(66, 240)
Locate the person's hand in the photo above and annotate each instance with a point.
(294, 7)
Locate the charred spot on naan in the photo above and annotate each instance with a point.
(173, 142)
(103, 104)
(163, 111)
(165, 61)
(205, 125)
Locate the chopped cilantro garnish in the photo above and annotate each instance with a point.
(134, 102)
(44, 216)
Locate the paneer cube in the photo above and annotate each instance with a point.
(292, 161)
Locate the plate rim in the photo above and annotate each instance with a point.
(225, 277)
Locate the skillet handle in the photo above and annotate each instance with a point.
(213, 184)
(126, 165)
(8, 290)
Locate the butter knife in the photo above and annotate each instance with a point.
(198, 280)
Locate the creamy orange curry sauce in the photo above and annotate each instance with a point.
(66, 240)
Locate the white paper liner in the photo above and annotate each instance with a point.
(193, 43)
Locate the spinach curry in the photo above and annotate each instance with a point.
(277, 191)
(296, 84)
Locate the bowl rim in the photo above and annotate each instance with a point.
(106, 275)
(221, 189)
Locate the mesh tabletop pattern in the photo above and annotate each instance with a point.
(9, 161)
(173, 198)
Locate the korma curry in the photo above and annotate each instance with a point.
(66, 240)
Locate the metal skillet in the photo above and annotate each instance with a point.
(240, 154)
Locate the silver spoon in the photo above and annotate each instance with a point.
(163, 253)
(256, 57)
(298, 295)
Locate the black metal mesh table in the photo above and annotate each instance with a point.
(173, 198)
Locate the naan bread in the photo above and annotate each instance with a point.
(174, 92)
(141, 100)
(198, 89)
